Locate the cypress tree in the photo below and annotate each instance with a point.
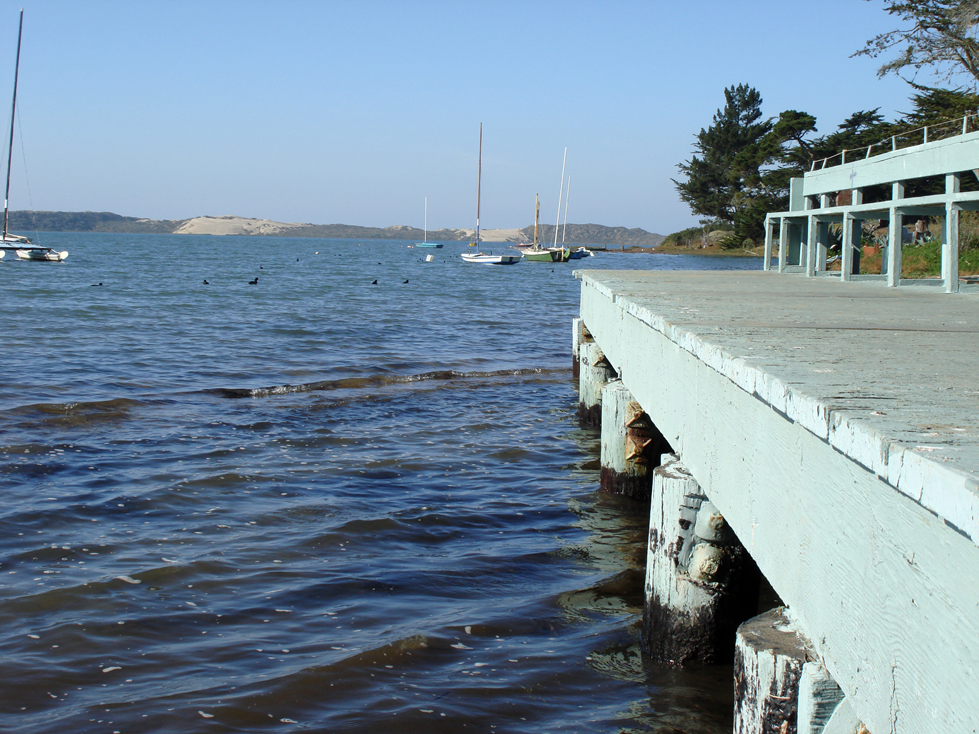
(728, 155)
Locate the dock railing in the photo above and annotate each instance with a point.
(905, 139)
(833, 194)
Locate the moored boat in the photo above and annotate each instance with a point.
(534, 252)
(477, 256)
(41, 253)
(488, 259)
(22, 246)
(425, 242)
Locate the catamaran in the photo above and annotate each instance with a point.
(22, 246)
(477, 256)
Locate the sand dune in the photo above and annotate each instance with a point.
(497, 235)
(231, 225)
(237, 225)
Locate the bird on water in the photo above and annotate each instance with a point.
(253, 282)
(205, 282)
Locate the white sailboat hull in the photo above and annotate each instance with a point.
(491, 259)
(42, 254)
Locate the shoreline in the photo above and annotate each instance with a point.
(714, 250)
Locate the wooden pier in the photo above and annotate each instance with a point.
(834, 427)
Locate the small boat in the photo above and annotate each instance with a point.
(560, 253)
(488, 259)
(41, 253)
(426, 243)
(536, 253)
(579, 252)
(22, 246)
(484, 257)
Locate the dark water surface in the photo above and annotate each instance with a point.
(313, 503)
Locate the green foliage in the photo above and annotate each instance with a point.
(739, 176)
(717, 180)
(744, 164)
(925, 261)
(695, 235)
(941, 37)
(932, 105)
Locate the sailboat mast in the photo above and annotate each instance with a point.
(560, 196)
(13, 110)
(479, 182)
(426, 220)
(536, 217)
(567, 198)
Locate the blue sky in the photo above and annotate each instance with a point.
(353, 112)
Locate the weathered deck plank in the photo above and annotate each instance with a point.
(836, 427)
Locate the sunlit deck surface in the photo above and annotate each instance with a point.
(836, 427)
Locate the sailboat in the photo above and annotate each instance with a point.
(22, 246)
(536, 253)
(562, 253)
(581, 251)
(426, 243)
(480, 257)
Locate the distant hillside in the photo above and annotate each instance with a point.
(30, 221)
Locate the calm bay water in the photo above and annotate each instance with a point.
(313, 503)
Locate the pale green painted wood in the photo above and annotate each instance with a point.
(936, 158)
(847, 246)
(819, 697)
(948, 157)
(846, 468)
(844, 721)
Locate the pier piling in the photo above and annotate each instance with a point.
(579, 336)
(780, 687)
(594, 372)
(768, 666)
(631, 444)
(833, 426)
(700, 583)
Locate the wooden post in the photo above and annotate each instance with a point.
(822, 245)
(811, 247)
(768, 664)
(950, 245)
(593, 372)
(579, 336)
(893, 261)
(767, 265)
(783, 244)
(895, 240)
(779, 685)
(631, 444)
(700, 582)
(846, 247)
